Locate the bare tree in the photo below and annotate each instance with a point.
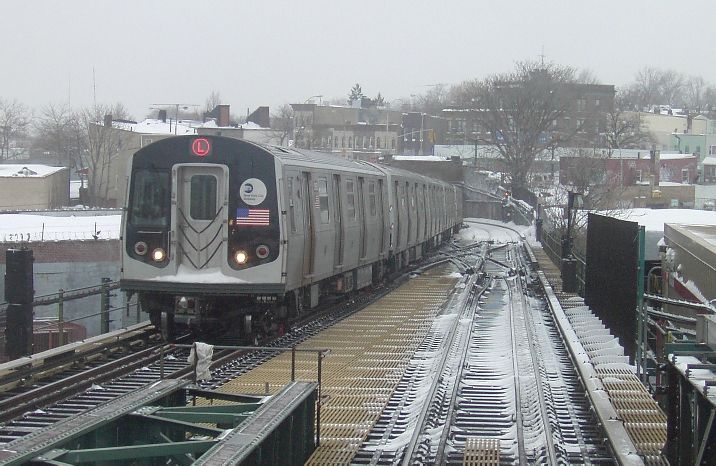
(100, 144)
(55, 133)
(646, 86)
(655, 86)
(212, 101)
(282, 120)
(434, 100)
(671, 86)
(516, 112)
(15, 119)
(587, 76)
(625, 130)
(694, 94)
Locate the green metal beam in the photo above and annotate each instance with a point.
(212, 418)
(178, 424)
(137, 451)
(238, 409)
(212, 395)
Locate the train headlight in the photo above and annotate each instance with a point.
(140, 248)
(240, 257)
(262, 251)
(158, 255)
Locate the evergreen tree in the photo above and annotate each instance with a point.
(379, 100)
(356, 94)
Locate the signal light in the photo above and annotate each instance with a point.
(262, 251)
(140, 248)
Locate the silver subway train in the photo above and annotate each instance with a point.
(224, 233)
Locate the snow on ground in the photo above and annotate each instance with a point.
(495, 230)
(73, 226)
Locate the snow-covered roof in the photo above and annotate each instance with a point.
(654, 219)
(421, 158)
(27, 170)
(710, 161)
(152, 126)
(251, 125)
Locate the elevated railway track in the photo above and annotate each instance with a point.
(465, 362)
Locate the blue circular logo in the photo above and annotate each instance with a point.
(248, 187)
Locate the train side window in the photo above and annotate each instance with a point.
(291, 209)
(202, 200)
(323, 198)
(150, 198)
(350, 200)
(371, 199)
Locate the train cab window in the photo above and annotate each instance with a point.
(202, 201)
(371, 199)
(323, 199)
(150, 198)
(350, 200)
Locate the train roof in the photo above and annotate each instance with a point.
(303, 157)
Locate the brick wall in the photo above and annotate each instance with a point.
(69, 251)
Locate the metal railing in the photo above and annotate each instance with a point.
(59, 321)
(552, 244)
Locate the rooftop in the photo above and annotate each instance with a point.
(27, 170)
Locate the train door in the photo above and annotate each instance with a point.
(339, 232)
(395, 239)
(295, 231)
(200, 209)
(420, 212)
(426, 208)
(382, 216)
(412, 224)
(362, 218)
(309, 221)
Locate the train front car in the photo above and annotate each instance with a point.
(201, 233)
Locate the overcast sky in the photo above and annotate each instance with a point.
(273, 52)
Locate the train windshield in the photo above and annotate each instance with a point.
(150, 198)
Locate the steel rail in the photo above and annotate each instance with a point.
(536, 365)
(410, 449)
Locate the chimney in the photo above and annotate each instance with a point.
(163, 115)
(260, 116)
(108, 120)
(223, 118)
(655, 164)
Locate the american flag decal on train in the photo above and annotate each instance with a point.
(252, 217)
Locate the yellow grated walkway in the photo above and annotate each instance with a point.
(369, 352)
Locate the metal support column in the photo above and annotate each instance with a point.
(105, 306)
(641, 317)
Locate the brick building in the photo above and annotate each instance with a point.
(585, 117)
